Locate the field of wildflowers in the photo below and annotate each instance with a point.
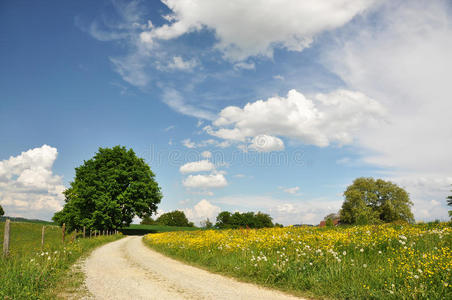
(34, 273)
(391, 261)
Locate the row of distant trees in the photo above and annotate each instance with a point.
(224, 220)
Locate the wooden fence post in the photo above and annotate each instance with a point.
(63, 232)
(84, 232)
(42, 236)
(6, 238)
(74, 236)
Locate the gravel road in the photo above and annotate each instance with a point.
(127, 269)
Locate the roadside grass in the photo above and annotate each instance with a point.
(391, 261)
(30, 272)
(138, 229)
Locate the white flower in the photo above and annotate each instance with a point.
(379, 252)
(344, 253)
(365, 266)
(361, 250)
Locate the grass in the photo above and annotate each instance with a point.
(391, 261)
(138, 229)
(34, 273)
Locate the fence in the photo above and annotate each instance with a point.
(77, 234)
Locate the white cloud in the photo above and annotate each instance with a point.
(206, 154)
(179, 64)
(188, 143)
(197, 166)
(292, 191)
(28, 187)
(406, 63)
(201, 211)
(266, 143)
(205, 143)
(244, 65)
(175, 100)
(170, 127)
(250, 28)
(205, 181)
(279, 77)
(333, 117)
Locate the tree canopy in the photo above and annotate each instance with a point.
(249, 219)
(2, 212)
(109, 190)
(370, 201)
(174, 218)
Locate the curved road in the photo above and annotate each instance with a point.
(127, 269)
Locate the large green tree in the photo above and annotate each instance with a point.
(174, 218)
(109, 190)
(370, 201)
(2, 212)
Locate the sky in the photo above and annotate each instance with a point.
(271, 106)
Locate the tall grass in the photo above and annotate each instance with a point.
(30, 272)
(391, 261)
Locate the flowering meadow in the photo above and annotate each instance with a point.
(34, 273)
(390, 261)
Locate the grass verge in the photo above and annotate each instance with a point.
(30, 272)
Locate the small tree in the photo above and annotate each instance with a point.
(109, 190)
(2, 212)
(449, 202)
(174, 218)
(206, 224)
(370, 201)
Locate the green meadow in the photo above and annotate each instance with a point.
(32, 272)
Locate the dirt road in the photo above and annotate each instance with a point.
(127, 269)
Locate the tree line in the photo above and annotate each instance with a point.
(224, 220)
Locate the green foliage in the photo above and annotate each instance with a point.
(237, 220)
(2, 212)
(109, 190)
(31, 272)
(174, 218)
(370, 201)
(329, 222)
(147, 221)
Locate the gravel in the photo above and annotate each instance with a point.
(127, 269)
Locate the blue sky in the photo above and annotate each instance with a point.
(239, 106)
